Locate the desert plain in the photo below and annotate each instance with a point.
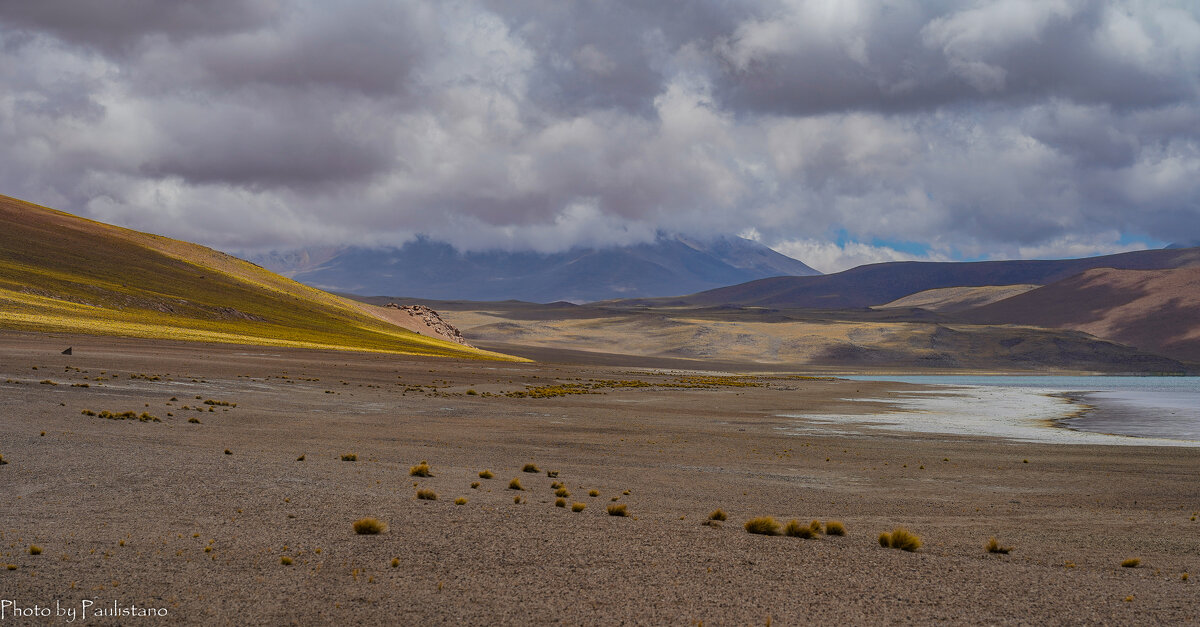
(197, 517)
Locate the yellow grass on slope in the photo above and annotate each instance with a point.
(62, 273)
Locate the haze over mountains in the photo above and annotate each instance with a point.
(671, 265)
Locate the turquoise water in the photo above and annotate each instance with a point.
(1161, 407)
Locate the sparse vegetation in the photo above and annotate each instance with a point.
(228, 452)
(578, 507)
(552, 473)
(474, 485)
(349, 457)
(420, 470)
(835, 528)
(395, 562)
(763, 525)
(460, 501)
(485, 474)
(301, 458)
(560, 502)
(796, 530)
(718, 514)
(815, 526)
(35, 549)
(515, 484)
(427, 495)
(2, 462)
(1132, 562)
(194, 421)
(369, 526)
(285, 560)
(593, 493)
(517, 499)
(900, 538)
(530, 468)
(618, 510)
(993, 546)
(562, 492)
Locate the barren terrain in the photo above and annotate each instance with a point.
(157, 514)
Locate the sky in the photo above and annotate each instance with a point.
(839, 132)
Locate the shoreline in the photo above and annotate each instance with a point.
(1035, 415)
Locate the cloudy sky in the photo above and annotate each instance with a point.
(840, 132)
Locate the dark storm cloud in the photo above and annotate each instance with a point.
(985, 128)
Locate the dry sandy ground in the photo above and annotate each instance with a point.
(124, 510)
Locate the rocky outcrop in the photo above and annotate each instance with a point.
(432, 320)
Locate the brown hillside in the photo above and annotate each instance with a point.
(1153, 310)
(954, 299)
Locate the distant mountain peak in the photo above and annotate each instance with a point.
(424, 268)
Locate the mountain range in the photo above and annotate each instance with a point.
(423, 268)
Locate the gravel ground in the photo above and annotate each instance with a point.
(156, 515)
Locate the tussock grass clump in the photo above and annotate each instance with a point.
(1132, 562)
(285, 560)
(460, 501)
(517, 500)
(718, 514)
(35, 549)
(993, 546)
(88, 412)
(485, 474)
(763, 525)
(578, 507)
(560, 502)
(815, 526)
(835, 528)
(562, 492)
(194, 421)
(515, 484)
(300, 459)
(552, 474)
(2, 462)
(555, 485)
(474, 485)
(796, 530)
(530, 468)
(349, 457)
(369, 526)
(420, 470)
(228, 452)
(900, 538)
(593, 493)
(427, 495)
(617, 510)
(395, 562)
(220, 403)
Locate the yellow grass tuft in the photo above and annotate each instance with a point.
(517, 499)
(593, 493)
(485, 474)
(796, 530)
(562, 492)
(474, 485)
(560, 502)
(349, 457)
(900, 538)
(35, 549)
(530, 468)
(552, 474)
(460, 500)
(578, 507)
(420, 470)
(718, 514)
(1132, 562)
(993, 546)
(369, 526)
(285, 560)
(515, 484)
(395, 562)
(815, 526)
(835, 528)
(763, 525)
(427, 495)
(618, 510)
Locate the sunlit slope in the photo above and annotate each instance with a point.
(62, 273)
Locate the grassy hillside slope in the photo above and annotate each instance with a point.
(62, 273)
(953, 299)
